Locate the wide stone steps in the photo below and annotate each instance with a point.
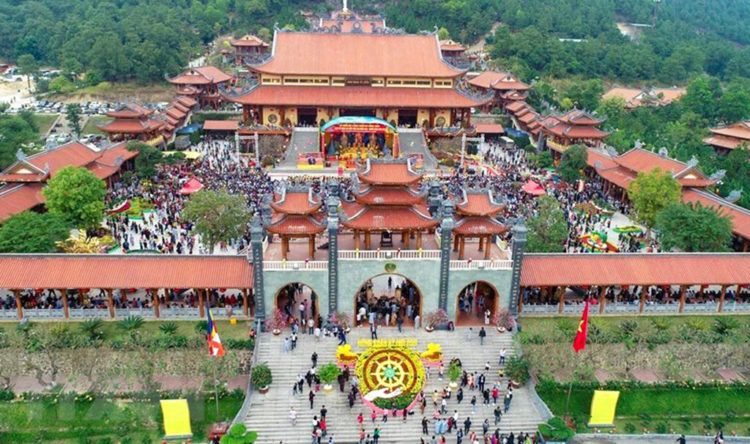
(269, 413)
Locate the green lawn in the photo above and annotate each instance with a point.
(690, 411)
(91, 125)
(44, 122)
(103, 421)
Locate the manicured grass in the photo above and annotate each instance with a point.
(104, 420)
(44, 122)
(91, 125)
(539, 323)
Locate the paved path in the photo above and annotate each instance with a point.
(412, 141)
(304, 140)
(269, 413)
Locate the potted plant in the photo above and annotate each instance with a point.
(556, 431)
(276, 322)
(436, 319)
(454, 373)
(503, 320)
(328, 373)
(261, 377)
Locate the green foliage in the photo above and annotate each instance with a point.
(169, 328)
(548, 229)
(77, 196)
(517, 368)
(397, 402)
(556, 430)
(692, 227)
(218, 216)
(261, 375)
(651, 192)
(73, 115)
(147, 160)
(31, 232)
(725, 325)
(454, 371)
(16, 132)
(92, 328)
(541, 160)
(131, 323)
(238, 434)
(573, 162)
(329, 372)
(61, 85)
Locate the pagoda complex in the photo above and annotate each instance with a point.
(202, 84)
(728, 138)
(387, 199)
(505, 87)
(310, 78)
(133, 121)
(477, 211)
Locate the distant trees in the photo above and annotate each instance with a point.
(73, 115)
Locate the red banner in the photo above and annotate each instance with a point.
(579, 343)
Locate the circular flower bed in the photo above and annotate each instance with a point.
(390, 378)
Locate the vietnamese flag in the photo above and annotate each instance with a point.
(579, 343)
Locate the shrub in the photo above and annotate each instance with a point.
(662, 428)
(397, 402)
(277, 321)
(628, 328)
(246, 344)
(504, 318)
(238, 434)
(517, 369)
(131, 323)
(169, 328)
(454, 371)
(201, 327)
(261, 375)
(92, 328)
(556, 430)
(527, 338)
(725, 324)
(7, 395)
(661, 324)
(329, 372)
(630, 428)
(436, 318)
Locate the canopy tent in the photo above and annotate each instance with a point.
(533, 188)
(191, 186)
(356, 136)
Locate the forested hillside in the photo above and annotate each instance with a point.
(143, 39)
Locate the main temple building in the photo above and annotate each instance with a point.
(352, 67)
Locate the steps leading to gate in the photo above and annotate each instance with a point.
(269, 413)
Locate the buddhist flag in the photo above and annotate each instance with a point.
(214, 342)
(579, 343)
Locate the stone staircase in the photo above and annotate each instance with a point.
(269, 413)
(303, 140)
(412, 141)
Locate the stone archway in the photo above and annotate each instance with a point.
(289, 297)
(380, 292)
(473, 301)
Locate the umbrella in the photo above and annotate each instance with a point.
(533, 188)
(191, 186)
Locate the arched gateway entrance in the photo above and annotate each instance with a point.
(385, 298)
(473, 303)
(299, 301)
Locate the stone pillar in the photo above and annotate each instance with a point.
(311, 247)
(683, 289)
(721, 298)
(517, 249)
(110, 303)
(487, 248)
(64, 296)
(19, 304)
(155, 298)
(201, 303)
(245, 305)
(446, 231)
(256, 252)
(332, 208)
(602, 299)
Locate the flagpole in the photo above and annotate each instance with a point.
(216, 392)
(570, 386)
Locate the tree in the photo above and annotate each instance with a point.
(573, 162)
(28, 66)
(547, 228)
(16, 131)
(73, 115)
(31, 232)
(652, 192)
(218, 216)
(702, 96)
(735, 104)
(77, 196)
(443, 34)
(147, 160)
(693, 228)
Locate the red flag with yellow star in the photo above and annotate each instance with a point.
(579, 343)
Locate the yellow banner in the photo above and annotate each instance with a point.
(387, 343)
(176, 418)
(603, 406)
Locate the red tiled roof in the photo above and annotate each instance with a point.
(450, 45)
(501, 81)
(248, 40)
(724, 142)
(738, 130)
(516, 107)
(388, 195)
(478, 204)
(22, 178)
(221, 125)
(740, 216)
(469, 226)
(528, 117)
(579, 117)
(416, 217)
(131, 126)
(17, 198)
(203, 75)
(296, 203)
(296, 224)
(356, 96)
(303, 53)
(487, 78)
(130, 111)
(605, 161)
(618, 175)
(577, 131)
(540, 270)
(175, 113)
(124, 271)
(489, 128)
(640, 160)
(70, 154)
(388, 174)
(187, 101)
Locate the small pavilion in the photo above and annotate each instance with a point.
(248, 46)
(202, 83)
(133, 121)
(296, 214)
(477, 210)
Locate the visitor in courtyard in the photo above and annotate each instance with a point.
(311, 397)
(482, 334)
(467, 425)
(293, 415)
